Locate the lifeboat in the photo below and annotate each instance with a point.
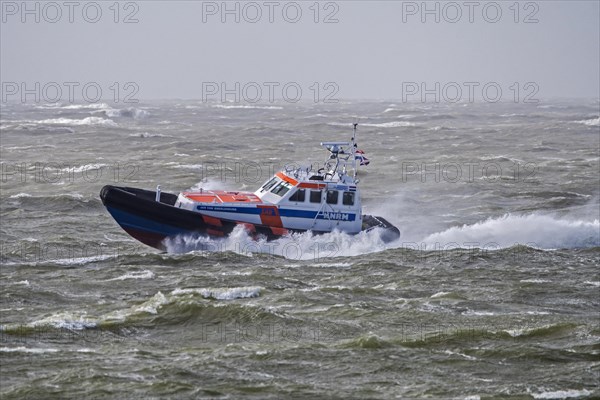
(295, 199)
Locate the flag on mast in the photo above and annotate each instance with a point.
(360, 156)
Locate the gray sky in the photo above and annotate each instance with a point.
(373, 51)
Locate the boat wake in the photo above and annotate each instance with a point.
(295, 246)
(532, 230)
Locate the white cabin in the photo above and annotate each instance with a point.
(293, 199)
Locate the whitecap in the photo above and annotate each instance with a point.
(188, 166)
(534, 280)
(86, 106)
(23, 349)
(533, 230)
(222, 293)
(81, 260)
(65, 320)
(297, 246)
(561, 394)
(77, 122)
(247, 107)
(468, 357)
(83, 168)
(589, 122)
(20, 195)
(332, 265)
(393, 124)
(151, 306)
(146, 274)
(148, 135)
(439, 294)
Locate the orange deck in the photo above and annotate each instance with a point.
(221, 196)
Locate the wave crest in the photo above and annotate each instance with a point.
(533, 230)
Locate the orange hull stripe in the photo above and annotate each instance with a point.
(279, 231)
(212, 220)
(248, 226)
(269, 216)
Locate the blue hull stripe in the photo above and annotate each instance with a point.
(128, 220)
(283, 212)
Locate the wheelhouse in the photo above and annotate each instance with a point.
(294, 198)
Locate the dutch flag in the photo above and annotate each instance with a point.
(360, 156)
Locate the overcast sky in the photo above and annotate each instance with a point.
(365, 49)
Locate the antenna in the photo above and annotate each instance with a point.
(353, 151)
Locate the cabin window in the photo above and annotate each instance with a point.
(269, 184)
(348, 198)
(299, 195)
(315, 196)
(281, 189)
(332, 197)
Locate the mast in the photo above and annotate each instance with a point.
(354, 146)
(341, 153)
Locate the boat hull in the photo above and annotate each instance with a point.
(152, 222)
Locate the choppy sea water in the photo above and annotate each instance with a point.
(492, 291)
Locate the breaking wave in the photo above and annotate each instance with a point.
(296, 246)
(167, 306)
(247, 107)
(221, 293)
(146, 274)
(93, 106)
(131, 112)
(76, 122)
(533, 230)
(393, 124)
(98, 109)
(590, 122)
